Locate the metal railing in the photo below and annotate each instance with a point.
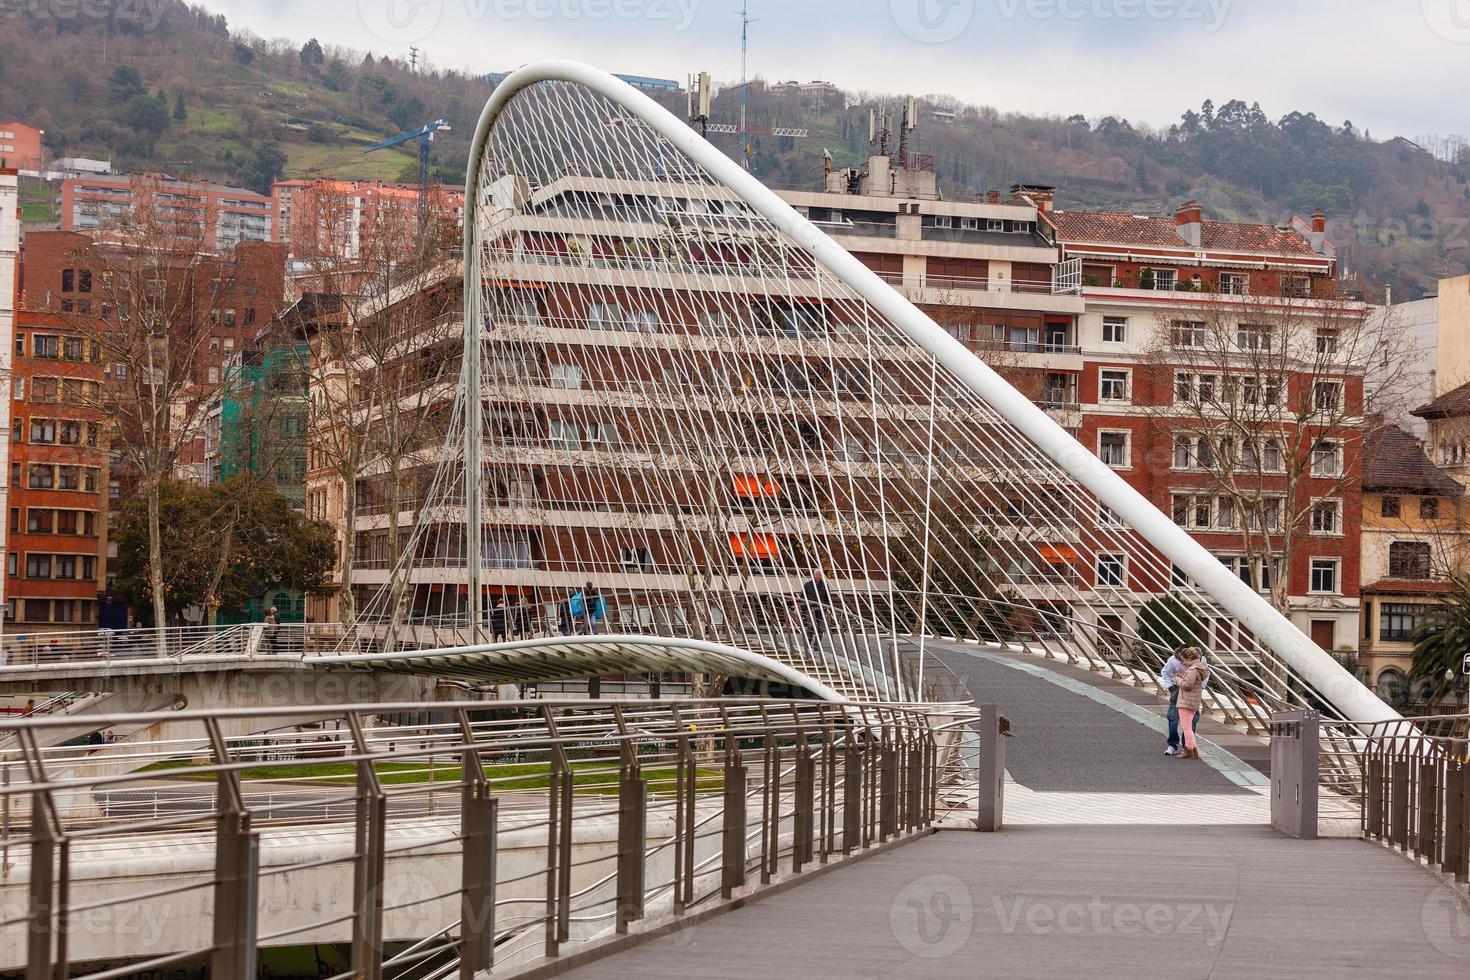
(1417, 789)
(31, 650)
(626, 811)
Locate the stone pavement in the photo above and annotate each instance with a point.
(1098, 901)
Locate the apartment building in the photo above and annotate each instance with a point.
(332, 216)
(59, 471)
(1189, 320)
(206, 212)
(1415, 539)
(20, 146)
(9, 300)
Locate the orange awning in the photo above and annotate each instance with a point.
(754, 545)
(755, 487)
(1056, 554)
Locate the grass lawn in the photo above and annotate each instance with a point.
(589, 774)
(36, 202)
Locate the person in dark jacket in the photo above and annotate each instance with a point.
(815, 600)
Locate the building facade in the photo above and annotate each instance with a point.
(1416, 531)
(59, 472)
(1191, 326)
(316, 216)
(20, 146)
(215, 213)
(9, 301)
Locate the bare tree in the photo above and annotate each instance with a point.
(150, 294)
(373, 350)
(1264, 396)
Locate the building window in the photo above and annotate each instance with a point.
(39, 521)
(1111, 571)
(1178, 577)
(1327, 459)
(1160, 279)
(1107, 518)
(943, 221)
(1112, 449)
(41, 477)
(1409, 560)
(38, 566)
(1188, 333)
(1253, 336)
(637, 559)
(1235, 283)
(43, 431)
(1326, 517)
(1115, 329)
(1193, 453)
(1326, 341)
(1388, 506)
(1194, 389)
(1327, 396)
(45, 346)
(566, 376)
(1294, 285)
(1324, 575)
(68, 280)
(20, 345)
(1398, 620)
(1429, 509)
(1113, 385)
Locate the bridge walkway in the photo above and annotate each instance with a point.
(1116, 861)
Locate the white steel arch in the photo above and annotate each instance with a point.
(609, 110)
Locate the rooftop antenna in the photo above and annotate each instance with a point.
(699, 93)
(909, 123)
(745, 23)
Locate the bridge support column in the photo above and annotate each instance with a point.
(1294, 761)
(991, 775)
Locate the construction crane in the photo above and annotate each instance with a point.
(425, 136)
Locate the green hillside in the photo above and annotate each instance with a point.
(190, 98)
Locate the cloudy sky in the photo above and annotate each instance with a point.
(1396, 67)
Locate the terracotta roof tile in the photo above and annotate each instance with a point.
(1395, 460)
(1451, 405)
(1399, 586)
(1115, 228)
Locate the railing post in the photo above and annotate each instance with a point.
(46, 955)
(770, 797)
(991, 774)
(732, 865)
(632, 830)
(1455, 836)
(369, 864)
(1462, 869)
(478, 823)
(829, 793)
(1398, 799)
(1295, 757)
(852, 796)
(236, 874)
(803, 808)
(1373, 808)
(1426, 838)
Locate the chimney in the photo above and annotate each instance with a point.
(1189, 219)
(1319, 232)
(992, 197)
(1041, 196)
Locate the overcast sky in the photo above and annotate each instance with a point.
(1395, 67)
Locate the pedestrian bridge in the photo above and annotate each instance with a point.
(728, 838)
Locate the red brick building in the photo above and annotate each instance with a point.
(20, 146)
(1178, 307)
(57, 542)
(218, 214)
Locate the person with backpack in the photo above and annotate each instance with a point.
(1191, 684)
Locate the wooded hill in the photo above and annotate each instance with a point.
(192, 98)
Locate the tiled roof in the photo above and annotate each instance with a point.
(1114, 228)
(1395, 460)
(1400, 586)
(1451, 405)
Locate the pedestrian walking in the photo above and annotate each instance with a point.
(816, 598)
(29, 709)
(1191, 684)
(272, 624)
(594, 609)
(498, 620)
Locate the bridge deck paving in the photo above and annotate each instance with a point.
(1095, 901)
(1074, 743)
